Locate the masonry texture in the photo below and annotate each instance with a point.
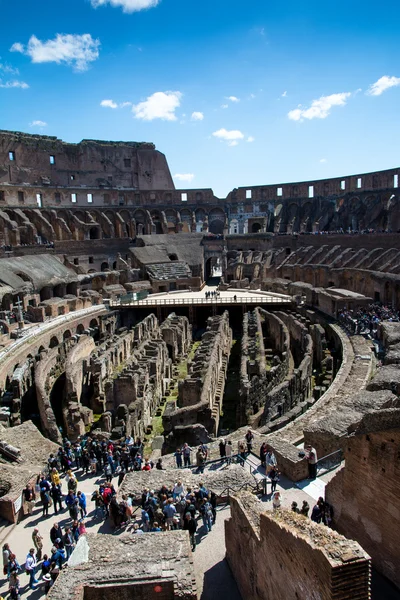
(300, 559)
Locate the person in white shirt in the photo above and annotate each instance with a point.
(30, 566)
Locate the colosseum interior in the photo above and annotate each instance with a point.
(131, 309)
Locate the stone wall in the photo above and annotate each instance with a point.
(143, 567)
(364, 494)
(288, 556)
(264, 363)
(200, 393)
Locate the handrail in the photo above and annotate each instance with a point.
(260, 299)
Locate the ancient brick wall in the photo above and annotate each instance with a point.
(364, 494)
(285, 555)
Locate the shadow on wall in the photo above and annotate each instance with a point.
(220, 583)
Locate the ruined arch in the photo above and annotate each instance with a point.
(54, 342)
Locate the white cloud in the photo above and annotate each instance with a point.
(232, 137)
(5, 68)
(224, 106)
(161, 105)
(14, 84)
(108, 104)
(284, 94)
(323, 160)
(250, 139)
(383, 84)
(197, 116)
(128, 6)
(38, 124)
(232, 98)
(124, 104)
(75, 50)
(320, 108)
(188, 177)
(17, 47)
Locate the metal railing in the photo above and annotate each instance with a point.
(330, 461)
(203, 301)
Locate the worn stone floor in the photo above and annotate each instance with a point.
(213, 576)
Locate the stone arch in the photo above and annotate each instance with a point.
(54, 342)
(67, 334)
(80, 329)
(94, 233)
(216, 220)
(255, 228)
(104, 266)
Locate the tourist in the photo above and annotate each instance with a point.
(263, 453)
(55, 533)
(311, 456)
(46, 564)
(222, 448)
(186, 454)
(317, 511)
(82, 527)
(206, 514)
(99, 504)
(295, 507)
(28, 497)
(75, 530)
(69, 542)
(14, 585)
(70, 503)
(48, 582)
(6, 556)
(190, 525)
(37, 542)
(45, 498)
(178, 458)
(56, 496)
(108, 472)
(169, 512)
(274, 478)
(249, 437)
(305, 509)
(30, 567)
(270, 461)
(276, 501)
(57, 556)
(200, 460)
(72, 482)
(55, 477)
(93, 463)
(229, 452)
(178, 490)
(82, 504)
(146, 466)
(13, 564)
(204, 449)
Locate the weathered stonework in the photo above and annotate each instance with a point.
(146, 567)
(288, 556)
(201, 392)
(364, 493)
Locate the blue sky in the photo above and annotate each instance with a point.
(234, 93)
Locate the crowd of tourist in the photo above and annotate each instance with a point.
(170, 507)
(365, 320)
